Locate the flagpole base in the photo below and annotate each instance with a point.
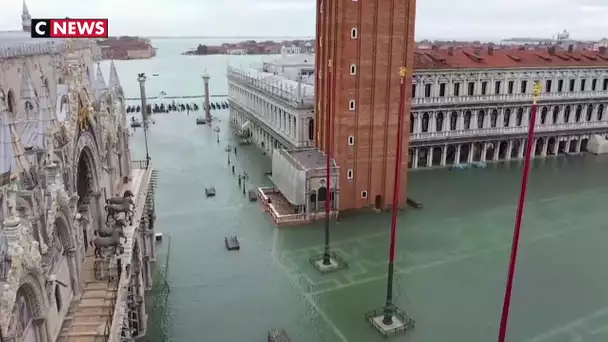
(336, 263)
(401, 322)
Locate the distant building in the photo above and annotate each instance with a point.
(290, 50)
(236, 51)
(126, 48)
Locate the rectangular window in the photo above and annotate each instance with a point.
(353, 69)
(442, 89)
(605, 85)
(497, 87)
(363, 194)
(524, 87)
(427, 90)
(511, 86)
(457, 89)
(471, 88)
(572, 83)
(560, 86)
(351, 140)
(583, 84)
(353, 33)
(484, 88)
(594, 84)
(349, 174)
(413, 90)
(548, 86)
(351, 105)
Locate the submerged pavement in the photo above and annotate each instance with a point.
(452, 255)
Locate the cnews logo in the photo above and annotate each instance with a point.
(69, 28)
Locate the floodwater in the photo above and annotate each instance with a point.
(451, 256)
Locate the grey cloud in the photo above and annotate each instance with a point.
(456, 19)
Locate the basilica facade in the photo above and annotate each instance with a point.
(65, 151)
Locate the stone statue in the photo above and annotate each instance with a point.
(109, 229)
(124, 207)
(108, 242)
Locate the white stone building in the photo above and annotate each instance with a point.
(474, 105)
(65, 150)
(274, 103)
(468, 105)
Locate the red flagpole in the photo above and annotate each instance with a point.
(388, 306)
(502, 335)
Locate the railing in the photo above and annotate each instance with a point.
(451, 100)
(112, 282)
(504, 130)
(140, 164)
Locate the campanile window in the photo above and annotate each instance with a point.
(353, 33)
(351, 140)
(349, 174)
(351, 105)
(353, 69)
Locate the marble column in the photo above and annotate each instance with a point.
(471, 153)
(42, 329)
(457, 157)
(415, 161)
(74, 269)
(444, 153)
(98, 216)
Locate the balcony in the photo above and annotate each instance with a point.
(498, 131)
(456, 100)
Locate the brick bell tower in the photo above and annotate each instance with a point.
(360, 47)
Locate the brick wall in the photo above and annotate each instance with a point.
(384, 42)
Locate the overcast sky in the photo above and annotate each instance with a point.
(464, 19)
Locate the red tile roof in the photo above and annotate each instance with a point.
(488, 57)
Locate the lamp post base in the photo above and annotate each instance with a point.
(336, 263)
(401, 322)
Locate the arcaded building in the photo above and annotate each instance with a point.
(360, 48)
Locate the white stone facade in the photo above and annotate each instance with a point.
(276, 111)
(65, 149)
(487, 112)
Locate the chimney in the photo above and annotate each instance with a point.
(435, 47)
(490, 50)
(602, 50)
(451, 51)
(551, 50)
(571, 48)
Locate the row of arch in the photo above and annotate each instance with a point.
(501, 150)
(441, 121)
(31, 301)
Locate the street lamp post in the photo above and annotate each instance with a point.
(245, 179)
(228, 149)
(141, 78)
(217, 131)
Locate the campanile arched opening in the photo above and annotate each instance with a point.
(85, 187)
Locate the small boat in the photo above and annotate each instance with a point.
(201, 121)
(232, 243)
(154, 74)
(276, 335)
(210, 192)
(135, 123)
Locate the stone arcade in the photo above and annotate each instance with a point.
(65, 150)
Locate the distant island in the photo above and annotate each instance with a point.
(126, 47)
(252, 47)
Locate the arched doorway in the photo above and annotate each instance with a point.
(313, 200)
(26, 309)
(540, 144)
(10, 102)
(85, 186)
(378, 202)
